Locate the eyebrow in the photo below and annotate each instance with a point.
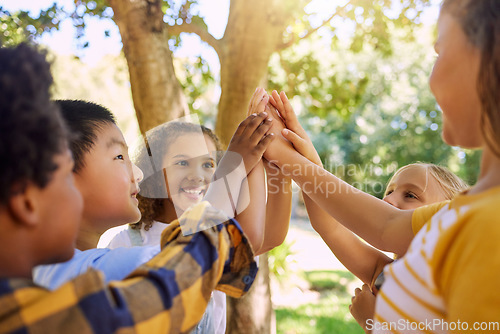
(412, 185)
(188, 157)
(115, 141)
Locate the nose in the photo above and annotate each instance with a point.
(137, 173)
(391, 199)
(196, 173)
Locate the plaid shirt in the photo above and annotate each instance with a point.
(166, 295)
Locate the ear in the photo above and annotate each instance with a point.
(23, 206)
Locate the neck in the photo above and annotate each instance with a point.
(489, 176)
(87, 238)
(17, 255)
(168, 213)
(13, 266)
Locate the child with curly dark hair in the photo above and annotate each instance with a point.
(40, 213)
(35, 168)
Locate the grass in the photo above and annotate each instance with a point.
(330, 314)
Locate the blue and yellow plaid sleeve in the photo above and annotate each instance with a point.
(169, 294)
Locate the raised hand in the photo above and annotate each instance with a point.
(294, 132)
(252, 138)
(258, 102)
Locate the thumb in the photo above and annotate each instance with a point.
(295, 139)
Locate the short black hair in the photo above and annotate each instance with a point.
(31, 129)
(84, 119)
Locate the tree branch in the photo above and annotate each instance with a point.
(295, 38)
(198, 29)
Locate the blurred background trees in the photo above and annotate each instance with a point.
(355, 70)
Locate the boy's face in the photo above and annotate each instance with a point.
(108, 182)
(60, 213)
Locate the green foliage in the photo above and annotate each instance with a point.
(368, 115)
(337, 280)
(197, 80)
(330, 314)
(279, 260)
(21, 26)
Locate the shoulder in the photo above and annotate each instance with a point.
(115, 237)
(423, 214)
(53, 275)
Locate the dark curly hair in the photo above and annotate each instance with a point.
(153, 189)
(84, 119)
(480, 21)
(31, 129)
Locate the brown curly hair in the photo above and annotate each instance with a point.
(153, 189)
(32, 131)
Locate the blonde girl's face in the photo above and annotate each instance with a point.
(189, 166)
(453, 83)
(414, 187)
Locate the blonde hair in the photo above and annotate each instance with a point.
(450, 183)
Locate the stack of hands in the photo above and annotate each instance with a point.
(271, 132)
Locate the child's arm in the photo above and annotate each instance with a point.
(265, 225)
(379, 223)
(359, 258)
(245, 150)
(278, 208)
(252, 218)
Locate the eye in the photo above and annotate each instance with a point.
(181, 163)
(209, 164)
(411, 195)
(120, 157)
(389, 192)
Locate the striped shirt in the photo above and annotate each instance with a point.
(448, 280)
(166, 295)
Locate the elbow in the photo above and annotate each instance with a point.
(256, 240)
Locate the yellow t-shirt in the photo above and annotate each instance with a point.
(448, 279)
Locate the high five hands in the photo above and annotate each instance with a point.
(290, 135)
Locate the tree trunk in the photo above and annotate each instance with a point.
(252, 313)
(254, 31)
(156, 92)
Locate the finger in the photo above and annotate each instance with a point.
(357, 291)
(243, 125)
(256, 98)
(298, 142)
(265, 142)
(260, 106)
(273, 112)
(278, 103)
(253, 124)
(289, 115)
(261, 131)
(251, 103)
(272, 100)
